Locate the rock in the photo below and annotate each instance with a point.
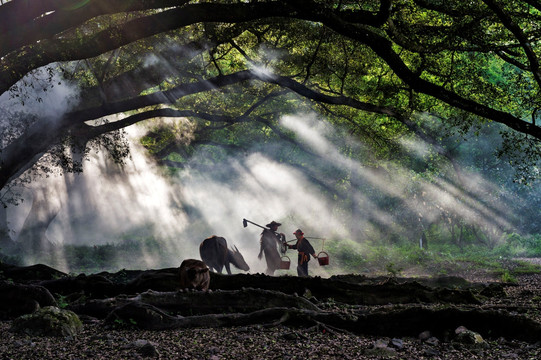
(430, 352)
(381, 350)
(148, 350)
(468, 337)
(307, 294)
(511, 355)
(380, 344)
(432, 341)
(397, 343)
(48, 321)
(144, 347)
(425, 335)
(23, 343)
(290, 336)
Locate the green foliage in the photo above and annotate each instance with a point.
(348, 254)
(409, 260)
(516, 245)
(393, 270)
(61, 301)
(508, 278)
(525, 267)
(130, 252)
(432, 45)
(11, 259)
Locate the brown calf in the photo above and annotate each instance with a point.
(194, 274)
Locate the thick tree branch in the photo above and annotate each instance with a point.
(172, 15)
(65, 49)
(384, 49)
(26, 22)
(112, 38)
(42, 135)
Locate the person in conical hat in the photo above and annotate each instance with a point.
(273, 224)
(270, 240)
(305, 250)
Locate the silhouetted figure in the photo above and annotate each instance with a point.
(270, 240)
(305, 249)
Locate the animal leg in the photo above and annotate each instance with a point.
(228, 268)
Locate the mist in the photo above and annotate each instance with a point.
(108, 203)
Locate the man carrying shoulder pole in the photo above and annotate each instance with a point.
(305, 250)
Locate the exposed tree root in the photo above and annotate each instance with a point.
(247, 300)
(408, 321)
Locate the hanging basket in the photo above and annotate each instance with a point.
(323, 258)
(285, 262)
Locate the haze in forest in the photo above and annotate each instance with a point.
(108, 204)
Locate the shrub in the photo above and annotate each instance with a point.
(516, 245)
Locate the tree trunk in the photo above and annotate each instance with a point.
(33, 239)
(6, 242)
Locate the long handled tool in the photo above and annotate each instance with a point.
(283, 245)
(245, 223)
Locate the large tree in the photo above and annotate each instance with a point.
(372, 64)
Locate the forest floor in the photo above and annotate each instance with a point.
(278, 341)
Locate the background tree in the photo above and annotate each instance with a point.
(385, 70)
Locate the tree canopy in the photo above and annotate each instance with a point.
(214, 78)
(383, 70)
(463, 62)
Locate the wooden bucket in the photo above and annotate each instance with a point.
(285, 262)
(323, 258)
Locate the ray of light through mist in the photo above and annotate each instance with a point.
(107, 204)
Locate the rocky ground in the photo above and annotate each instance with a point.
(248, 343)
(276, 342)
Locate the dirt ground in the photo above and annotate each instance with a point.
(276, 342)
